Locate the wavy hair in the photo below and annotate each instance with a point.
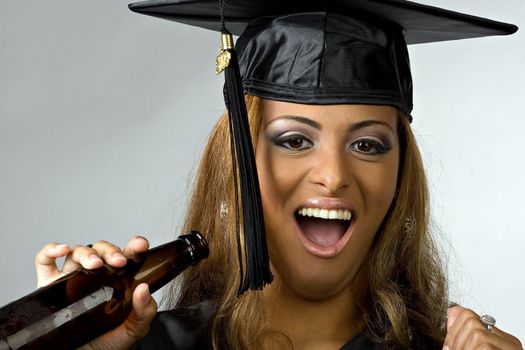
(405, 306)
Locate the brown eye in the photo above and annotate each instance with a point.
(295, 142)
(364, 146)
(369, 146)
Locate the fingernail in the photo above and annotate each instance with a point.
(94, 257)
(118, 256)
(446, 348)
(60, 246)
(146, 295)
(85, 261)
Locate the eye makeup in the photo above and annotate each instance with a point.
(370, 146)
(294, 141)
(286, 129)
(294, 133)
(374, 131)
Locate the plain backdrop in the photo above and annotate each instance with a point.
(104, 113)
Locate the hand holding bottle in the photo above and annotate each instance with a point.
(144, 306)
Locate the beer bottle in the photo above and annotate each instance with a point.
(83, 304)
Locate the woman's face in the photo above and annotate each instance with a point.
(328, 175)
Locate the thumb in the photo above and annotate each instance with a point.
(144, 310)
(453, 313)
(134, 328)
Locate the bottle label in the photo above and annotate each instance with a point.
(51, 322)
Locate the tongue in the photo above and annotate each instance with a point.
(321, 231)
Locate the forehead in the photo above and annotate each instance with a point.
(336, 112)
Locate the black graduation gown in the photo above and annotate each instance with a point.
(188, 329)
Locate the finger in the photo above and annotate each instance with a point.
(134, 328)
(466, 324)
(110, 253)
(473, 335)
(144, 309)
(45, 262)
(137, 244)
(516, 343)
(466, 331)
(452, 322)
(495, 339)
(81, 256)
(484, 339)
(487, 347)
(453, 313)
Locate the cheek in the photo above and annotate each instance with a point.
(277, 179)
(378, 186)
(280, 180)
(382, 188)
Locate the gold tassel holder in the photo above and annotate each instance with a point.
(223, 59)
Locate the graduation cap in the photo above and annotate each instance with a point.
(314, 52)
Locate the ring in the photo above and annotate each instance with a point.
(488, 321)
(89, 245)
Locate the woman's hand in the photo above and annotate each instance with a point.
(465, 331)
(144, 308)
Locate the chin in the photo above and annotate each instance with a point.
(319, 292)
(312, 281)
(304, 272)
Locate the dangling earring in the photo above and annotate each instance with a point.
(224, 210)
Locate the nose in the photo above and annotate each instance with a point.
(331, 171)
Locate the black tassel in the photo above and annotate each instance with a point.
(255, 267)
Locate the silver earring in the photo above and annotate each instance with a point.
(224, 210)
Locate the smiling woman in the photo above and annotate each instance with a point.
(349, 160)
(328, 95)
(329, 172)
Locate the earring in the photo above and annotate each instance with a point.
(224, 210)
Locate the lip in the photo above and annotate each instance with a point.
(335, 249)
(328, 203)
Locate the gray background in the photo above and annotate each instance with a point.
(103, 114)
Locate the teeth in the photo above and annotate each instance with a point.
(339, 214)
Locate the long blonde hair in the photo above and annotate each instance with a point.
(407, 297)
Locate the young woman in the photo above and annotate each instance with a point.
(371, 271)
(345, 208)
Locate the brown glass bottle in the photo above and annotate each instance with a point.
(86, 303)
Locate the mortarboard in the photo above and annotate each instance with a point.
(314, 52)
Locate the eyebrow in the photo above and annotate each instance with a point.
(370, 122)
(354, 127)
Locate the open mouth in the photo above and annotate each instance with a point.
(324, 231)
